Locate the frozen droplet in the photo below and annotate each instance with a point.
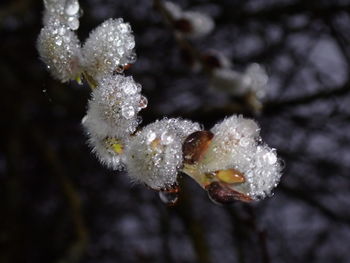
(72, 7)
(168, 198)
(128, 112)
(166, 138)
(44, 90)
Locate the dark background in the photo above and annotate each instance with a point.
(58, 204)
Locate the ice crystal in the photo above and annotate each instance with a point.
(154, 154)
(59, 48)
(109, 46)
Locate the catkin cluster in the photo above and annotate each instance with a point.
(229, 161)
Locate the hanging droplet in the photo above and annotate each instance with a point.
(73, 23)
(72, 7)
(169, 198)
(119, 69)
(143, 102)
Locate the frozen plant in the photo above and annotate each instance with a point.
(230, 162)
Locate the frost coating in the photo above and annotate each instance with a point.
(108, 47)
(253, 79)
(66, 12)
(59, 48)
(237, 145)
(154, 155)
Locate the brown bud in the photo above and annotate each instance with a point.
(183, 25)
(195, 145)
(211, 61)
(224, 195)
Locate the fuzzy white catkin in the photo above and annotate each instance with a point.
(105, 153)
(112, 113)
(66, 12)
(237, 145)
(154, 154)
(200, 23)
(253, 79)
(173, 9)
(59, 48)
(113, 108)
(109, 47)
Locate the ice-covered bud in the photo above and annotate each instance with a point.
(173, 9)
(59, 48)
(66, 12)
(194, 24)
(227, 80)
(112, 117)
(232, 163)
(154, 154)
(109, 48)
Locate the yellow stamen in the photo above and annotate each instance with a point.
(230, 176)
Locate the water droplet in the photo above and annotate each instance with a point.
(128, 112)
(143, 102)
(166, 138)
(61, 31)
(58, 42)
(169, 198)
(151, 136)
(130, 89)
(123, 28)
(44, 90)
(72, 7)
(73, 23)
(244, 142)
(270, 158)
